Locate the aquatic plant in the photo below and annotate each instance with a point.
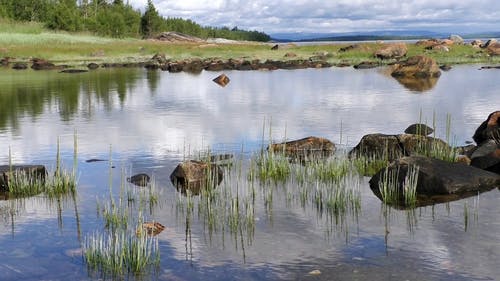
(121, 252)
(394, 192)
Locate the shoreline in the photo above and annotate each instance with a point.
(194, 57)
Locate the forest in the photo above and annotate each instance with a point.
(113, 18)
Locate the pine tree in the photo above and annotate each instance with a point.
(151, 21)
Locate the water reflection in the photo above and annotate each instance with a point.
(417, 84)
(154, 120)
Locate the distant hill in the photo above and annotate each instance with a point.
(374, 35)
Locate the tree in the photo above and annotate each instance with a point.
(64, 16)
(151, 21)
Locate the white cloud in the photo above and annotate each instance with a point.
(336, 16)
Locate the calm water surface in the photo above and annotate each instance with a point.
(150, 121)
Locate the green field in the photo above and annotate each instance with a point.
(25, 41)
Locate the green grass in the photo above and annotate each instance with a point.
(24, 40)
(120, 253)
(394, 192)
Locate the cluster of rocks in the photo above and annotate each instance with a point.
(159, 61)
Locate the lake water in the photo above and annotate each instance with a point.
(150, 121)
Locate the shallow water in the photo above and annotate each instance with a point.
(149, 121)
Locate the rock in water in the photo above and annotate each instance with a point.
(151, 228)
(437, 177)
(194, 175)
(35, 171)
(417, 67)
(310, 147)
(419, 129)
(139, 179)
(489, 129)
(222, 80)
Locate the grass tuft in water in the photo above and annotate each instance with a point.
(394, 192)
(121, 252)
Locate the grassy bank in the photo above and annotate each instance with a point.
(26, 41)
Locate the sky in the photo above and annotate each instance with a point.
(336, 16)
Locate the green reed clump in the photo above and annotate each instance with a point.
(270, 167)
(24, 184)
(121, 252)
(394, 192)
(368, 165)
(53, 184)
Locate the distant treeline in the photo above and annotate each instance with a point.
(113, 18)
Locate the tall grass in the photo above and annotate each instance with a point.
(396, 192)
(121, 252)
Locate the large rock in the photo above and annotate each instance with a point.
(456, 39)
(310, 147)
(392, 51)
(489, 129)
(392, 147)
(437, 177)
(487, 156)
(488, 43)
(177, 37)
(36, 171)
(428, 43)
(417, 67)
(195, 175)
(494, 49)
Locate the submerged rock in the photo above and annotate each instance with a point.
(222, 80)
(150, 228)
(32, 171)
(309, 147)
(73, 70)
(419, 129)
(194, 175)
(139, 179)
(437, 177)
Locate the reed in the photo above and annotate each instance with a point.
(394, 192)
(121, 252)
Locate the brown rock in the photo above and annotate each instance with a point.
(194, 175)
(392, 51)
(290, 55)
(150, 228)
(417, 67)
(310, 147)
(222, 80)
(494, 49)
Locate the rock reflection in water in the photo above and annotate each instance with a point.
(417, 84)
